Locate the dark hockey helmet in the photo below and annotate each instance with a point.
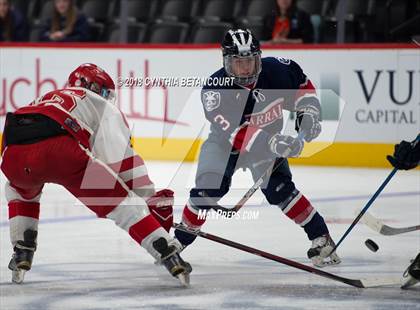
(241, 56)
(94, 78)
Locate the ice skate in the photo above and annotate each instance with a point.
(22, 258)
(412, 274)
(172, 261)
(320, 252)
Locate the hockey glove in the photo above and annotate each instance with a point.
(161, 207)
(307, 119)
(406, 155)
(285, 146)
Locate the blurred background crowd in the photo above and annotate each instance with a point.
(205, 21)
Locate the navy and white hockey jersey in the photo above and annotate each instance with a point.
(243, 116)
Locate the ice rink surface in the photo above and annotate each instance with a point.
(88, 263)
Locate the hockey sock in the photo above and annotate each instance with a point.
(192, 218)
(22, 216)
(300, 210)
(316, 227)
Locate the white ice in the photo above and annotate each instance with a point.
(88, 263)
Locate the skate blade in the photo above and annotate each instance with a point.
(184, 278)
(18, 276)
(407, 282)
(326, 263)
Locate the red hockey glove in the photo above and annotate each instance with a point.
(161, 207)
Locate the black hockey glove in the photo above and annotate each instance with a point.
(406, 155)
(285, 146)
(307, 119)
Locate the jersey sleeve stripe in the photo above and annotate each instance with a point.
(136, 172)
(139, 182)
(251, 139)
(235, 133)
(127, 164)
(305, 90)
(243, 137)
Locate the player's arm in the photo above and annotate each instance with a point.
(245, 137)
(130, 167)
(305, 102)
(112, 145)
(134, 173)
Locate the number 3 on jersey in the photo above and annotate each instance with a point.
(222, 121)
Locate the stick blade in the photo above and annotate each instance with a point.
(372, 222)
(378, 226)
(377, 282)
(391, 231)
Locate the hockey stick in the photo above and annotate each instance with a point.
(360, 283)
(378, 226)
(389, 177)
(229, 212)
(366, 207)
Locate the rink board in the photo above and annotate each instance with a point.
(337, 154)
(370, 93)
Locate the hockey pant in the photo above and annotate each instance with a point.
(61, 160)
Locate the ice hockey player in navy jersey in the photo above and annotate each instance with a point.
(246, 122)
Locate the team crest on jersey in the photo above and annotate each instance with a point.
(284, 61)
(211, 100)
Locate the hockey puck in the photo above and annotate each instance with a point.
(371, 245)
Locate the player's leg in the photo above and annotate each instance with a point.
(214, 173)
(23, 222)
(19, 165)
(103, 192)
(412, 275)
(281, 191)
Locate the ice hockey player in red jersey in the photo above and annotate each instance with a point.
(78, 138)
(407, 156)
